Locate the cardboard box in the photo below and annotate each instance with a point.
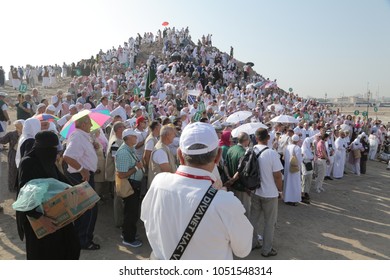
(66, 207)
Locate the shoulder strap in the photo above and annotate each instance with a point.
(194, 223)
(257, 156)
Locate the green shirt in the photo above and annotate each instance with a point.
(232, 159)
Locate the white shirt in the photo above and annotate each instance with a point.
(269, 162)
(224, 229)
(160, 156)
(149, 145)
(80, 148)
(100, 106)
(4, 107)
(141, 136)
(61, 122)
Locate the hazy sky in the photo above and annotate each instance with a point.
(314, 46)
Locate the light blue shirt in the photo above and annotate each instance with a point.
(126, 159)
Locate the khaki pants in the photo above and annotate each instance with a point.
(321, 170)
(269, 207)
(245, 199)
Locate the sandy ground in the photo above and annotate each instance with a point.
(350, 220)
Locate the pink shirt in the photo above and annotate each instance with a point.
(320, 149)
(80, 148)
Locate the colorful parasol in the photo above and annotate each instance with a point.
(46, 117)
(98, 119)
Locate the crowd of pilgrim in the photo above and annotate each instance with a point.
(193, 82)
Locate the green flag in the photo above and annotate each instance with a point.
(149, 80)
(197, 116)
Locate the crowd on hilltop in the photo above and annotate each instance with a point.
(154, 101)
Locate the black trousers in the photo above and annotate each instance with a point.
(131, 212)
(85, 224)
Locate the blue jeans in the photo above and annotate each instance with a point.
(85, 224)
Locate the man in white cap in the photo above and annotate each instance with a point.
(173, 199)
(50, 109)
(72, 111)
(41, 108)
(129, 167)
(4, 117)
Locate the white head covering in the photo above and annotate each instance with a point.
(31, 127)
(306, 149)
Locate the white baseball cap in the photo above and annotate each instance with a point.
(40, 105)
(198, 133)
(128, 132)
(3, 94)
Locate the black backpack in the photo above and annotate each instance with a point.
(249, 171)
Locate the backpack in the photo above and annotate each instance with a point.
(249, 171)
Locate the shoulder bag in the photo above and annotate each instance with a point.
(123, 187)
(294, 166)
(194, 223)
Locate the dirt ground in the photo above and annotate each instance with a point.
(350, 220)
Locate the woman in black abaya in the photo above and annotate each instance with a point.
(39, 163)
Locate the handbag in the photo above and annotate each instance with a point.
(123, 187)
(357, 153)
(294, 167)
(308, 166)
(194, 223)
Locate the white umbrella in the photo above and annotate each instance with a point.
(161, 67)
(249, 128)
(278, 107)
(248, 86)
(238, 116)
(284, 119)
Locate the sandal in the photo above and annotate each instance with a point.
(92, 246)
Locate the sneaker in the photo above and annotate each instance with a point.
(134, 244)
(271, 253)
(136, 236)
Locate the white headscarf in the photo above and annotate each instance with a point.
(306, 148)
(31, 127)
